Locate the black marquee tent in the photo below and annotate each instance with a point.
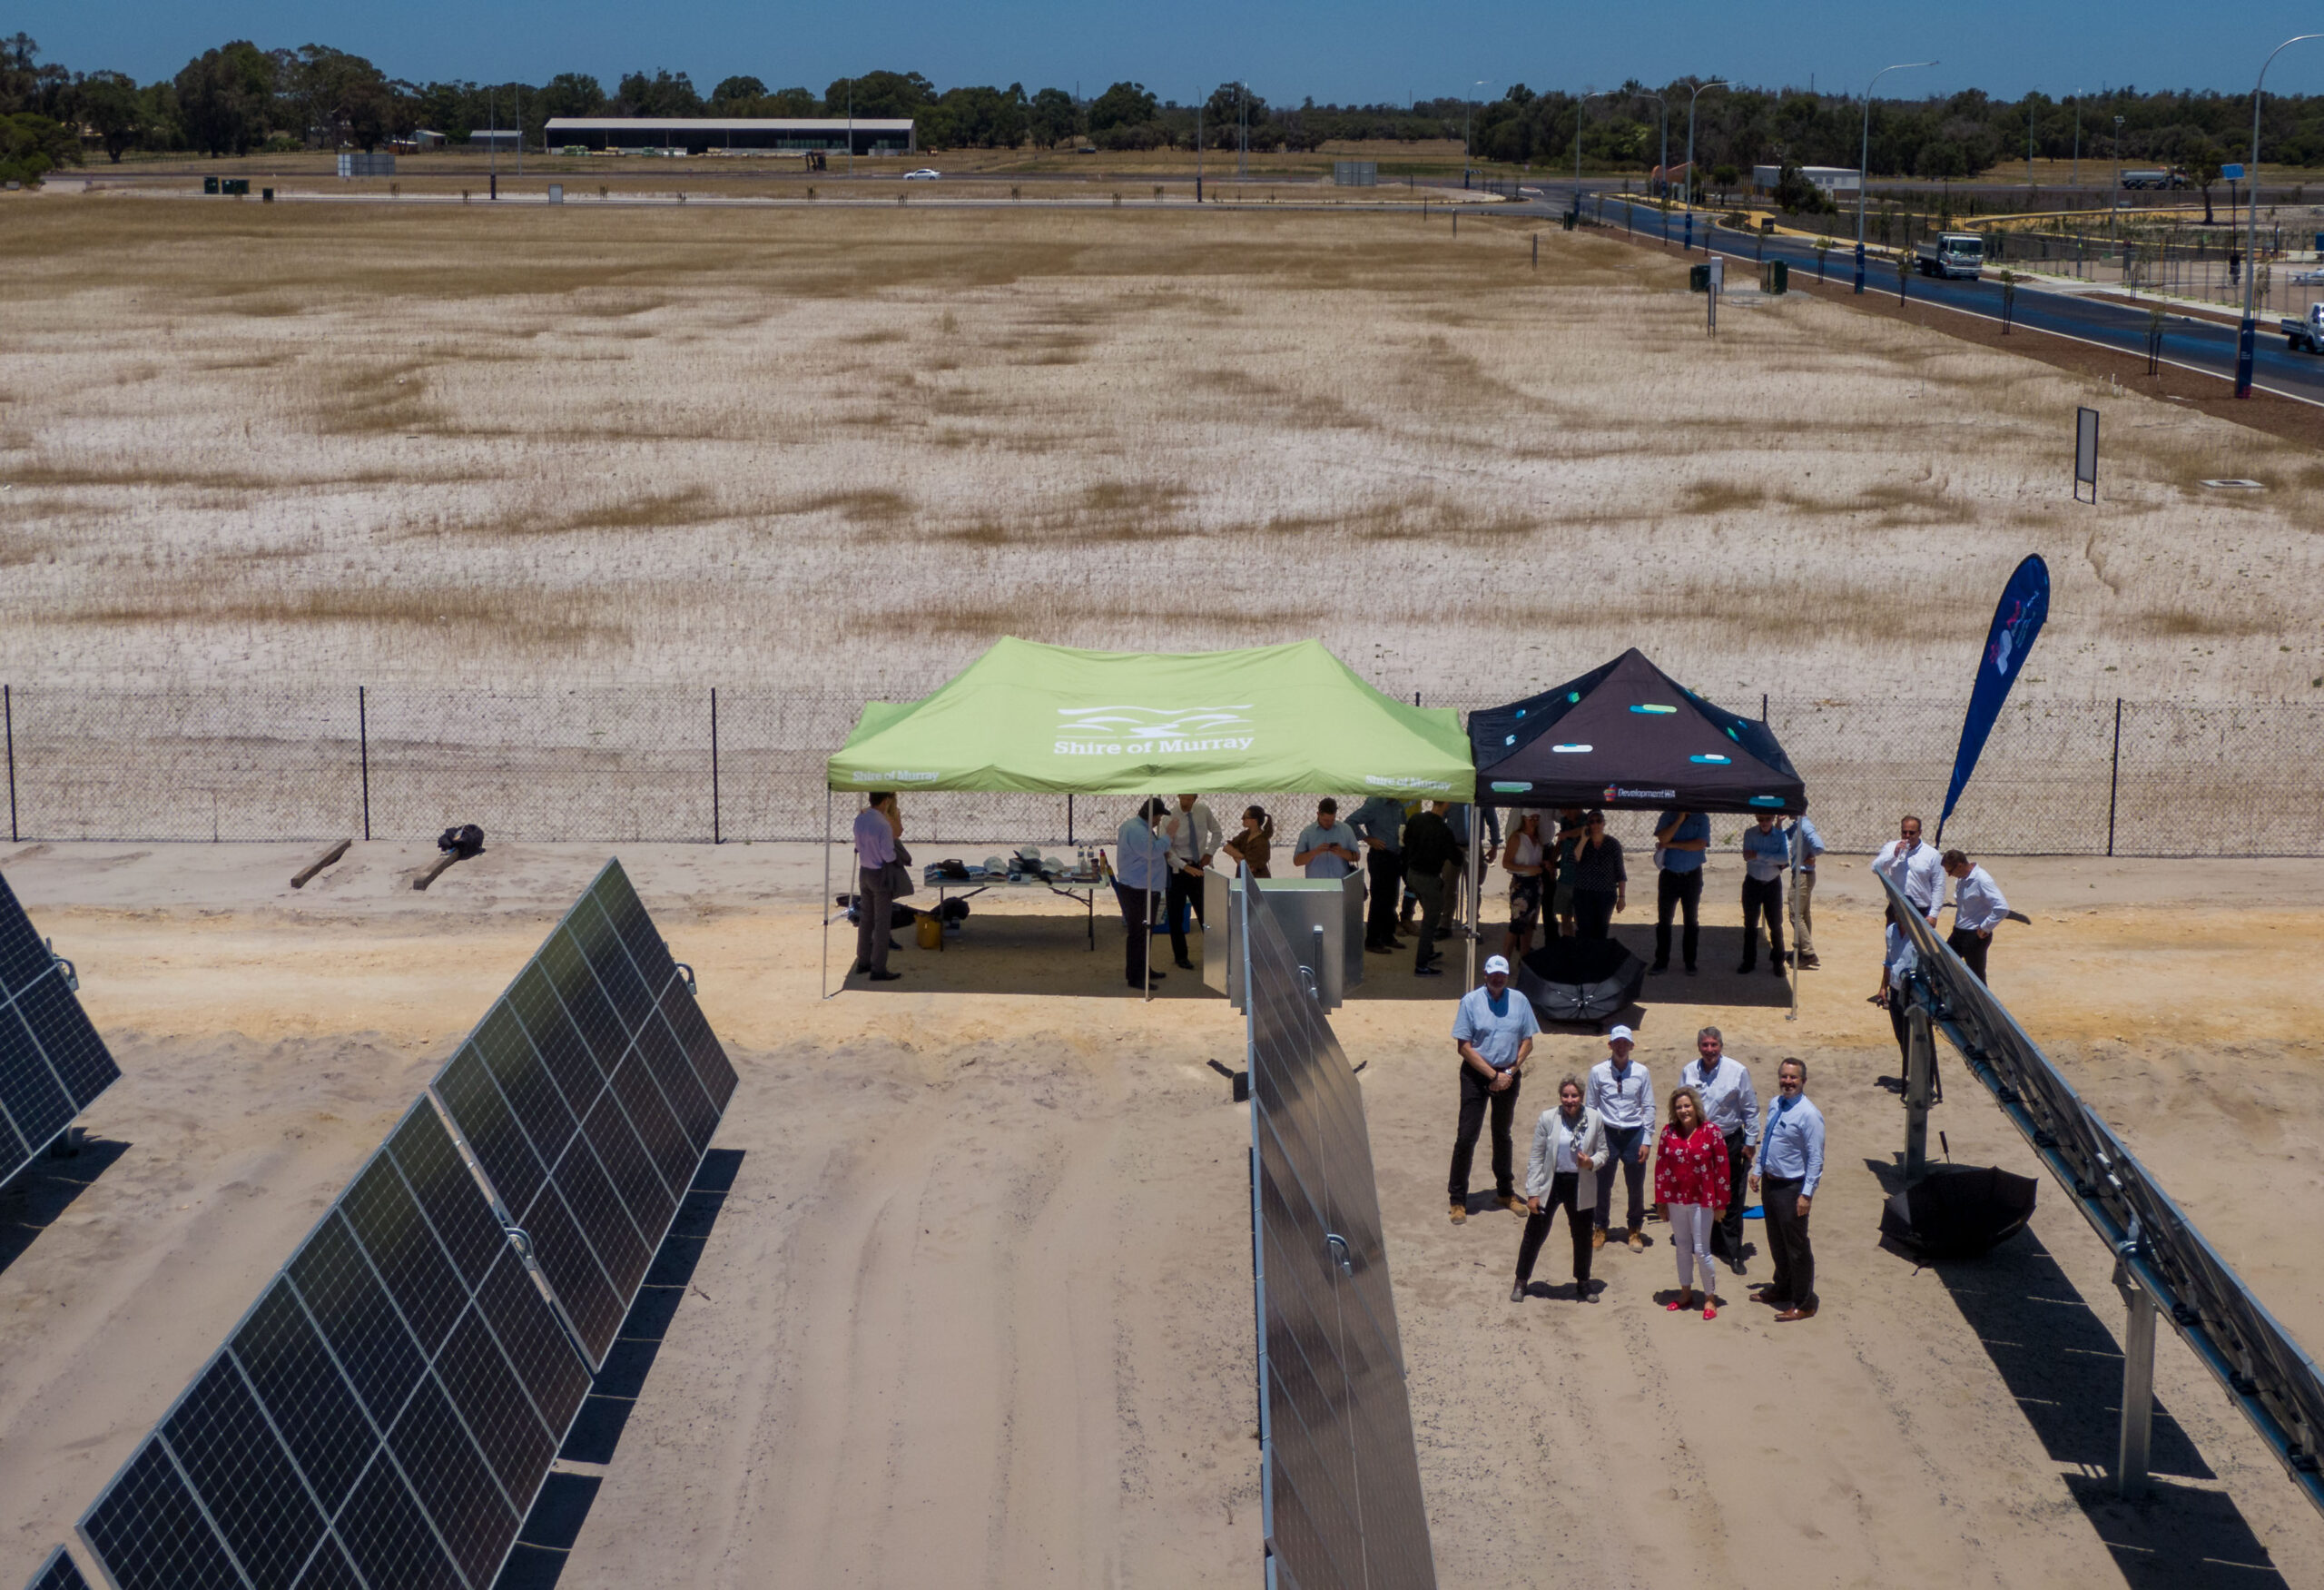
(1628, 735)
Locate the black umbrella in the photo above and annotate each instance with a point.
(1580, 980)
(1958, 1211)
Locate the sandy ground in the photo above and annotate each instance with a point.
(977, 1308)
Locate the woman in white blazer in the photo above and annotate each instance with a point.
(1569, 1144)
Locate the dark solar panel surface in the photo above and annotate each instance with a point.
(384, 1415)
(58, 1573)
(51, 1061)
(588, 1094)
(1342, 1504)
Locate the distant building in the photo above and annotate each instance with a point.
(1831, 181)
(737, 134)
(422, 138)
(501, 138)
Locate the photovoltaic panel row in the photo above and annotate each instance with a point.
(382, 1418)
(588, 1094)
(1340, 1499)
(51, 1061)
(57, 1574)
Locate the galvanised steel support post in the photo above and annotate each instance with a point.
(2131, 1453)
(1920, 1078)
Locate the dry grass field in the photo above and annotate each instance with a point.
(848, 447)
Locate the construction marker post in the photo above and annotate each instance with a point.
(1920, 1076)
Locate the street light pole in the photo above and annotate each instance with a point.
(1864, 161)
(1665, 167)
(1688, 247)
(2244, 339)
(2114, 210)
(1584, 100)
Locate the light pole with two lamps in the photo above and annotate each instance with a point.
(2246, 337)
(1585, 99)
(1864, 161)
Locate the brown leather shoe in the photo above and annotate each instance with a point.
(1637, 1242)
(1511, 1202)
(1460, 1214)
(1792, 1316)
(1597, 1239)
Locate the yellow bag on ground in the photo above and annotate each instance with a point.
(931, 931)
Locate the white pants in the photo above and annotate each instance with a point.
(1690, 1225)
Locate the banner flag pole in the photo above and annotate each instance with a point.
(2017, 619)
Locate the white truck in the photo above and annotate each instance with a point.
(1951, 253)
(2306, 336)
(2154, 179)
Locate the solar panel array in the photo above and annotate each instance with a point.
(588, 1094)
(58, 1573)
(385, 1416)
(51, 1061)
(1341, 1501)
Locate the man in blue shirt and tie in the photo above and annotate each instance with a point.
(1681, 837)
(1786, 1175)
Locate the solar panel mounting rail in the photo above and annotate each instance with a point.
(51, 1061)
(1341, 1503)
(385, 1414)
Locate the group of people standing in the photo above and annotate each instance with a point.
(1715, 1140)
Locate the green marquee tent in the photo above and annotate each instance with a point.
(1057, 720)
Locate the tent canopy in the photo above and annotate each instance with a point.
(1626, 734)
(1057, 720)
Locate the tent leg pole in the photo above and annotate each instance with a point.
(1791, 910)
(825, 986)
(1476, 887)
(1920, 1075)
(1146, 995)
(2138, 1387)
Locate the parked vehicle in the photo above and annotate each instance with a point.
(2154, 179)
(2306, 336)
(924, 174)
(1951, 253)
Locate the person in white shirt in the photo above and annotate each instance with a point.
(1977, 909)
(1569, 1142)
(1194, 837)
(1899, 961)
(1622, 1096)
(1914, 867)
(1731, 1104)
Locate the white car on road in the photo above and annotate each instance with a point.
(924, 174)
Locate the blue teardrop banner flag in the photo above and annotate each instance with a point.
(2024, 603)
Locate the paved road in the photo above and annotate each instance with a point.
(2206, 346)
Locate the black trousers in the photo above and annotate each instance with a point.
(1386, 868)
(1565, 1189)
(1135, 910)
(1971, 949)
(1683, 892)
(1181, 898)
(1762, 898)
(1727, 1232)
(1475, 1094)
(1795, 1280)
(1593, 913)
(1428, 888)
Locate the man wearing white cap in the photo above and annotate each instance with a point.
(1622, 1096)
(1493, 1031)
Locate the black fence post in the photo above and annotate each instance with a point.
(364, 751)
(8, 718)
(2114, 775)
(1763, 706)
(1068, 819)
(714, 836)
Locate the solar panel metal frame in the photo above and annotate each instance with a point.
(291, 1365)
(57, 1572)
(591, 1168)
(52, 1063)
(1341, 1502)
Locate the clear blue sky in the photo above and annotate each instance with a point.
(1357, 50)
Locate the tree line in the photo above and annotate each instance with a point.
(237, 98)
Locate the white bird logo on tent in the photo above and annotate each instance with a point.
(1151, 723)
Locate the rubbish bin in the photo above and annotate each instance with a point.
(1775, 276)
(210, 184)
(1698, 277)
(266, 196)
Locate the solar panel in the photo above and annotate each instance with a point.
(589, 1095)
(51, 1061)
(1340, 1502)
(58, 1573)
(384, 1414)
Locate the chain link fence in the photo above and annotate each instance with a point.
(2147, 778)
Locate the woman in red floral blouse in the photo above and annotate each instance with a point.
(1691, 1181)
